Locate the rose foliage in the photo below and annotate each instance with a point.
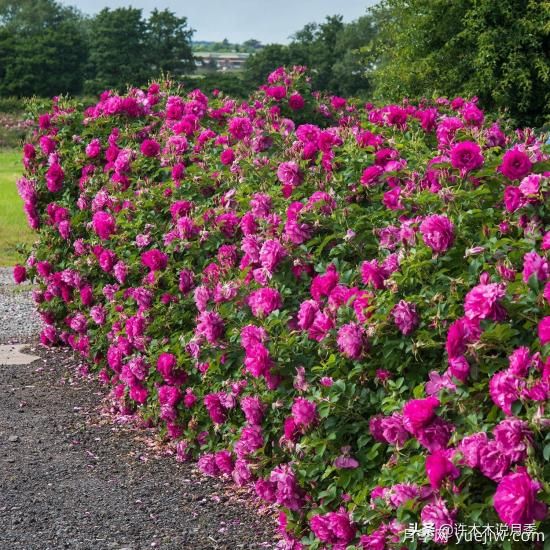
(344, 307)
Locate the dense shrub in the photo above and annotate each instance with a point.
(352, 316)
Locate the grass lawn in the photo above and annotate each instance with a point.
(13, 222)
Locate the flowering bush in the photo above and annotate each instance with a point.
(345, 307)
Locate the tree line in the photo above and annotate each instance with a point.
(498, 50)
(48, 49)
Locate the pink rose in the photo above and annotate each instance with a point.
(544, 330)
(515, 499)
(438, 233)
(483, 302)
(418, 413)
(352, 340)
(264, 301)
(436, 513)
(405, 317)
(104, 224)
(304, 412)
(19, 274)
(154, 259)
(150, 148)
(289, 173)
(515, 164)
(466, 156)
(439, 467)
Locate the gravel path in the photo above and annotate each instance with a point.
(71, 478)
(19, 321)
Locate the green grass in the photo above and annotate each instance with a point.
(13, 222)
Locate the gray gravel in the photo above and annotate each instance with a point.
(19, 321)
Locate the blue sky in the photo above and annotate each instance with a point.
(238, 20)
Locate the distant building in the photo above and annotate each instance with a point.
(221, 61)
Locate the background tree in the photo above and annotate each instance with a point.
(349, 69)
(252, 45)
(419, 47)
(316, 45)
(43, 48)
(511, 60)
(118, 49)
(495, 49)
(331, 50)
(168, 44)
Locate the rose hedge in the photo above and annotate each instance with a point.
(346, 306)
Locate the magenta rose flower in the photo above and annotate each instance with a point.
(215, 408)
(306, 314)
(272, 253)
(352, 341)
(515, 499)
(207, 465)
(240, 128)
(304, 412)
(418, 413)
(405, 317)
(438, 233)
(513, 199)
(536, 265)
(210, 326)
(519, 361)
(544, 330)
(253, 410)
(322, 285)
(504, 389)
(371, 175)
(289, 173)
(104, 224)
(166, 363)
(227, 157)
(470, 447)
(435, 436)
(513, 437)
(466, 156)
(459, 368)
(224, 461)
(264, 301)
(482, 302)
(439, 468)
(296, 101)
(333, 528)
(54, 177)
(493, 463)
(392, 430)
(266, 490)
(515, 164)
(150, 148)
(257, 361)
(19, 274)
(372, 274)
(288, 493)
(437, 514)
(241, 473)
(530, 185)
(154, 259)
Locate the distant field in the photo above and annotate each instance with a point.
(13, 223)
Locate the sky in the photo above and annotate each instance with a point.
(268, 21)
